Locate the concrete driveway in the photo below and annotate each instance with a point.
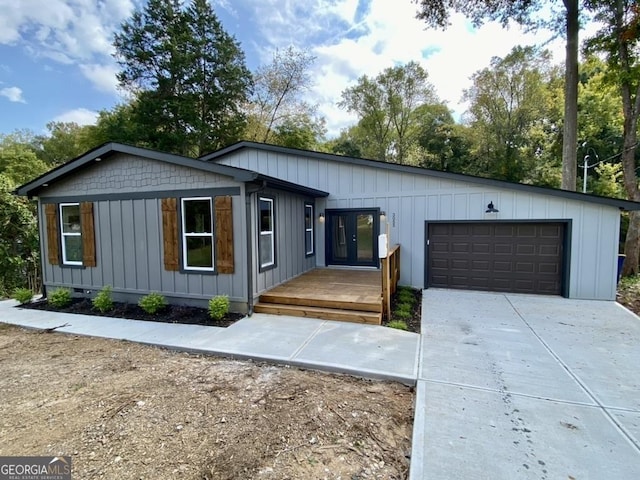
(523, 387)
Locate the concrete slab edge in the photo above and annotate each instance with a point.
(418, 438)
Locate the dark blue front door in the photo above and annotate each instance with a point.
(351, 237)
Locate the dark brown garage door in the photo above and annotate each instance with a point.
(500, 257)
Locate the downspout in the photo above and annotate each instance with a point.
(247, 198)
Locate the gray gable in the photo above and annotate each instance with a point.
(621, 204)
(68, 172)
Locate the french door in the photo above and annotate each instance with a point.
(352, 237)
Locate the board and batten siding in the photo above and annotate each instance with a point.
(128, 232)
(291, 260)
(411, 199)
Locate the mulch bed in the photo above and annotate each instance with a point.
(413, 323)
(169, 314)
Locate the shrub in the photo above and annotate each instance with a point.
(402, 314)
(403, 306)
(60, 297)
(23, 295)
(219, 307)
(398, 324)
(406, 296)
(152, 303)
(103, 301)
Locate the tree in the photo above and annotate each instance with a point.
(66, 140)
(299, 131)
(277, 93)
(19, 249)
(18, 161)
(443, 143)
(619, 41)
(385, 106)
(525, 12)
(508, 101)
(186, 74)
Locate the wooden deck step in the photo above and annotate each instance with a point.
(361, 303)
(373, 318)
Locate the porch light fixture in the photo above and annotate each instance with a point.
(321, 217)
(491, 208)
(97, 159)
(383, 216)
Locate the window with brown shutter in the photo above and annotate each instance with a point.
(170, 233)
(224, 234)
(53, 241)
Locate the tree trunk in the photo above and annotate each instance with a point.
(630, 92)
(570, 137)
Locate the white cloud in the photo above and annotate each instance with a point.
(81, 116)
(351, 38)
(14, 94)
(103, 77)
(65, 31)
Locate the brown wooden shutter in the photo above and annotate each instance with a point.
(224, 234)
(53, 240)
(170, 233)
(88, 235)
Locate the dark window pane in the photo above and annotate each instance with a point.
(308, 217)
(197, 216)
(266, 216)
(199, 251)
(73, 248)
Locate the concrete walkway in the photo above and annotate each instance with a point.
(524, 387)
(363, 350)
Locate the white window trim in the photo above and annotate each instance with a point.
(311, 251)
(267, 233)
(63, 235)
(185, 234)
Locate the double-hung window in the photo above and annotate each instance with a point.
(308, 229)
(266, 242)
(197, 234)
(71, 238)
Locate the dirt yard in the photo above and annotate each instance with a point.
(128, 411)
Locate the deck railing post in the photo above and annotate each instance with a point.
(390, 278)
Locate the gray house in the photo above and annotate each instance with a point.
(250, 217)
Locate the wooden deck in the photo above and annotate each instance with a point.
(329, 294)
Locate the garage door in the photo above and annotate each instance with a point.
(501, 257)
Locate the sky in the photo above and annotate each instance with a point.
(56, 56)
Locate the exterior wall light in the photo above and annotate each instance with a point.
(491, 208)
(321, 217)
(383, 216)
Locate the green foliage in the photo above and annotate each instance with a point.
(65, 141)
(18, 161)
(60, 297)
(19, 247)
(277, 111)
(152, 303)
(103, 301)
(385, 106)
(187, 74)
(23, 295)
(219, 307)
(608, 181)
(508, 100)
(398, 324)
(402, 314)
(406, 296)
